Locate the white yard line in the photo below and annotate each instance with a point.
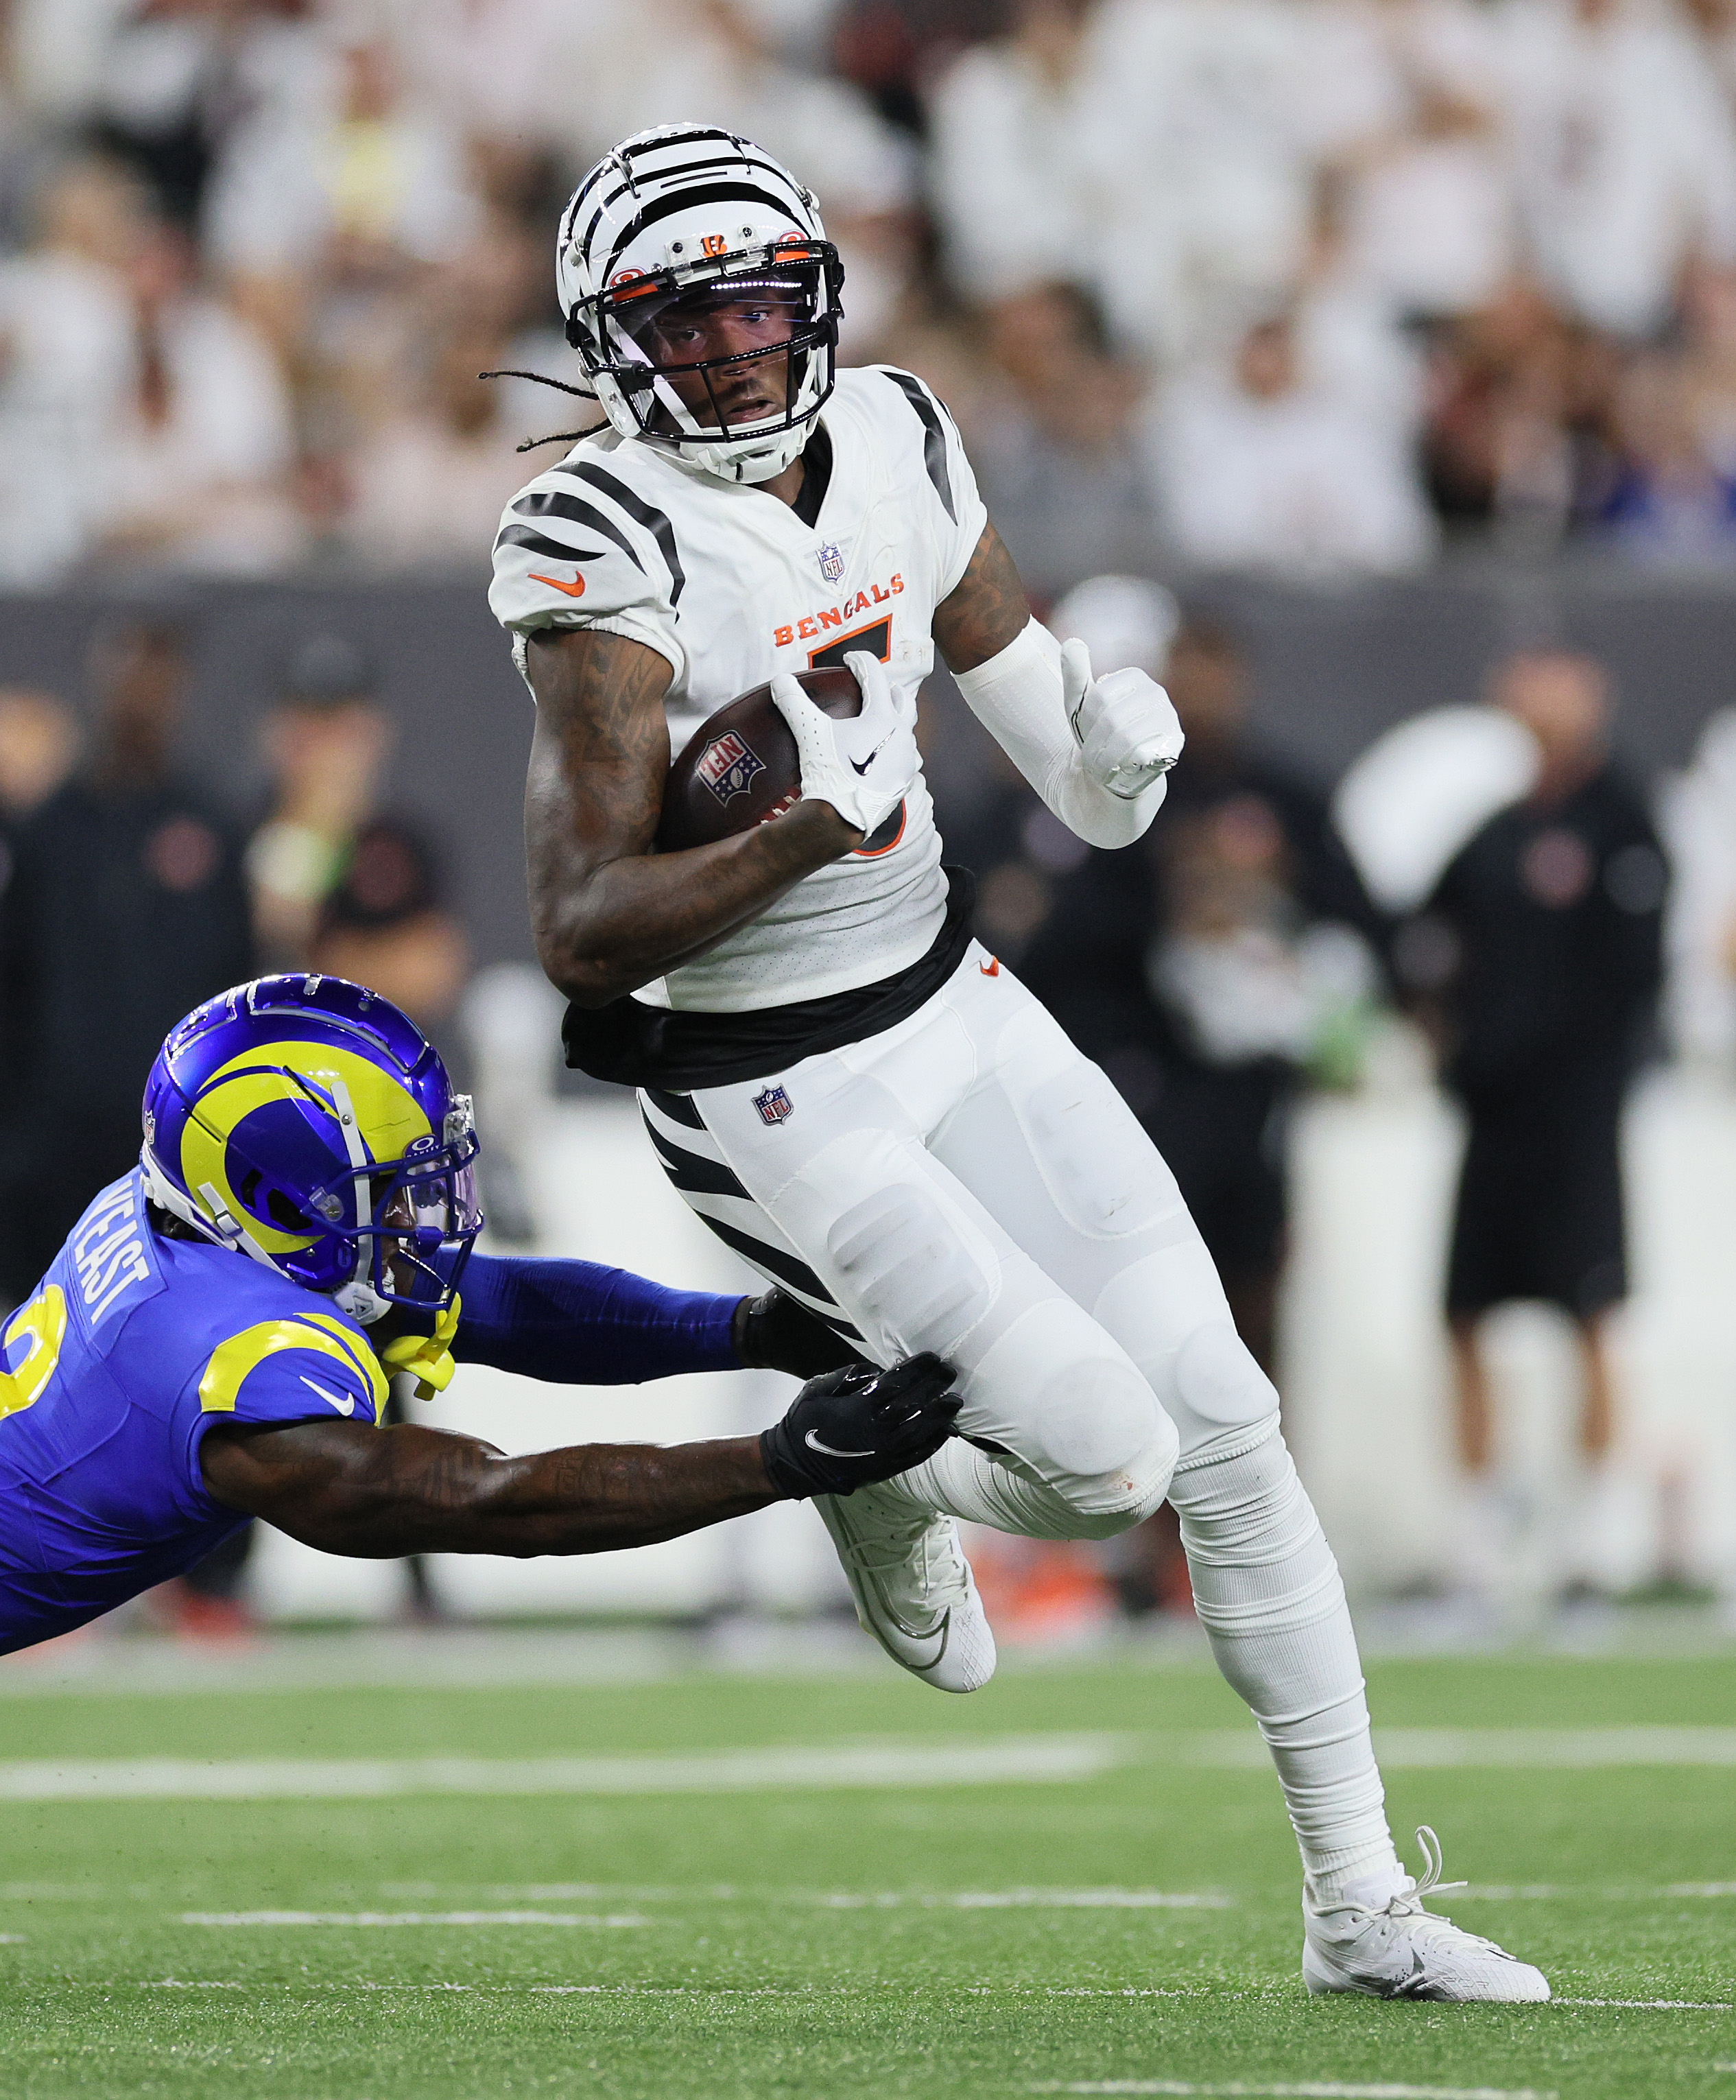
(1415, 1749)
(1024, 1899)
(1001, 1760)
(996, 1761)
(1654, 2004)
(1306, 2089)
(226, 1917)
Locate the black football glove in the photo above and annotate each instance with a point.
(857, 1425)
(774, 1333)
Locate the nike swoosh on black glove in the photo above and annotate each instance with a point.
(857, 1425)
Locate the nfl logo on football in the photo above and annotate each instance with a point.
(729, 766)
(831, 561)
(774, 1106)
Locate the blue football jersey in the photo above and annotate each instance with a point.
(132, 1347)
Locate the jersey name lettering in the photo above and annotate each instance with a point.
(109, 1254)
(810, 628)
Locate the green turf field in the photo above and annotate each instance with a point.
(803, 1939)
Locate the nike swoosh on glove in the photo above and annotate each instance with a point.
(858, 1424)
(864, 765)
(1126, 730)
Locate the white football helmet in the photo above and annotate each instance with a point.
(701, 295)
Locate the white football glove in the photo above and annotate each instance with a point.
(864, 765)
(1126, 731)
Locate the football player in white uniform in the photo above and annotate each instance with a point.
(842, 1083)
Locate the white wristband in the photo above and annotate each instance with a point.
(1018, 697)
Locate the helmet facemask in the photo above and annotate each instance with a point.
(726, 362)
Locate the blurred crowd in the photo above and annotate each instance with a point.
(1310, 286)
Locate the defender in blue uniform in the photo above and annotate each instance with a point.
(214, 1339)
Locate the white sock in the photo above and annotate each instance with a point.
(1268, 1592)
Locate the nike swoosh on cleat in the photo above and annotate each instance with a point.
(830, 1450)
(343, 1402)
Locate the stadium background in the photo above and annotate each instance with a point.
(1435, 302)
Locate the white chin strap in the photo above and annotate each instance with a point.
(748, 460)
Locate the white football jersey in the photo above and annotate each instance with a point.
(730, 584)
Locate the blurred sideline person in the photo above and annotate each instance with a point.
(383, 924)
(842, 1083)
(1554, 911)
(1207, 971)
(325, 741)
(213, 1341)
(38, 748)
(126, 906)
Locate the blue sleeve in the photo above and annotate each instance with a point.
(577, 1324)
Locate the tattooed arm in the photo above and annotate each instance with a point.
(346, 1487)
(986, 610)
(349, 1488)
(608, 914)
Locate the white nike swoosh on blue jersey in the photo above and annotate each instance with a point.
(343, 1402)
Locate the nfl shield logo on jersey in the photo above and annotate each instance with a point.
(774, 1106)
(729, 766)
(831, 561)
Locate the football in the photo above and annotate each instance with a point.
(739, 768)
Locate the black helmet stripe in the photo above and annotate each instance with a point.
(664, 207)
(662, 174)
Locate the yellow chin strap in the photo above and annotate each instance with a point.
(430, 1356)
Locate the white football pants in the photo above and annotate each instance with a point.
(966, 1182)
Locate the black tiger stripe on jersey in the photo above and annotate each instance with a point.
(642, 513)
(785, 1267)
(934, 438)
(556, 503)
(687, 1170)
(534, 543)
(678, 1108)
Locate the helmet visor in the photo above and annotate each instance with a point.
(724, 355)
(421, 1219)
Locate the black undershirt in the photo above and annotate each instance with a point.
(635, 1045)
(817, 477)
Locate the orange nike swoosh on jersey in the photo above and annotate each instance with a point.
(575, 589)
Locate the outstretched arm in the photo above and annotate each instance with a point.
(1096, 750)
(608, 913)
(577, 1323)
(348, 1487)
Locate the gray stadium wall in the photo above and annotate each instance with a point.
(1333, 669)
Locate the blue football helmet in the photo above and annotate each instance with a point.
(305, 1122)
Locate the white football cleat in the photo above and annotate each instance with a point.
(1397, 1949)
(913, 1587)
